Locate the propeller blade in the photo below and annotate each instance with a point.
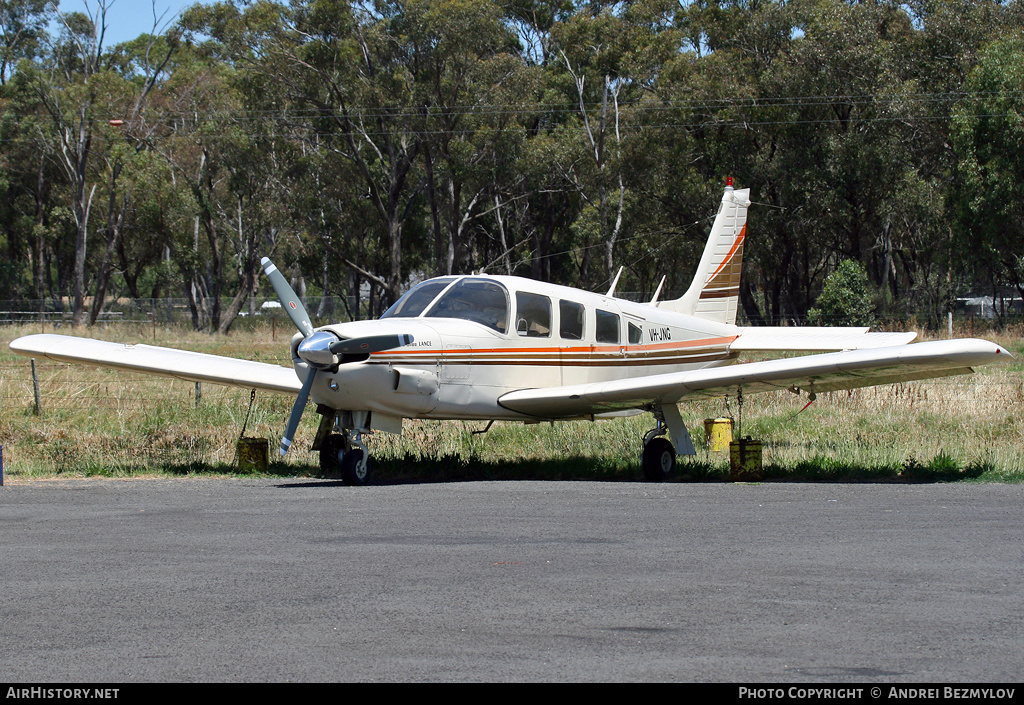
(296, 311)
(369, 344)
(296, 415)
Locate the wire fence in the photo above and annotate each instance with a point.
(978, 313)
(170, 311)
(53, 384)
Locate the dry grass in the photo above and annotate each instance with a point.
(101, 422)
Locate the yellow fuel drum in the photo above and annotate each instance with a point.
(253, 454)
(719, 434)
(745, 460)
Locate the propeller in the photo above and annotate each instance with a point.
(369, 344)
(319, 349)
(292, 305)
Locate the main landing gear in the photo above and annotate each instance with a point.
(658, 460)
(659, 456)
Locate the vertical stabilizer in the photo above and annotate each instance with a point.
(715, 291)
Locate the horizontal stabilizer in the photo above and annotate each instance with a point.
(812, 373)
(815, 339)
(164, 362)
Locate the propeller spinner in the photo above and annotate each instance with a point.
(319, 349)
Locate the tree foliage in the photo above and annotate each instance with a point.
(366, 145)
(845, 299)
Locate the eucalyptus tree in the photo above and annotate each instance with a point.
(533, 21)
(714, 112)
(309, 55)
(200, 105)
(68, 86)
(988, 137)
(331, 209)
(841, 150)
(808, 109)
(261, 165)
(352, 68)
(30, 222)
(87, 93)
(234, 150)
(591, 48)
(952, 37)
(476, 95)
(136, 68)
(23, 32)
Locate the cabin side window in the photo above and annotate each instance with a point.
(533, 315)
(607, 330)
(570, 320)
(636, 334)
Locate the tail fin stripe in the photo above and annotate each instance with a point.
(720, 293)
(728, 258)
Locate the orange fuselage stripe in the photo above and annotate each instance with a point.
(652, 353)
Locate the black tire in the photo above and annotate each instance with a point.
(659, 460)
(332, 450)
(353, 472)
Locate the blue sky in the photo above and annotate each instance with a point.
(127, 19)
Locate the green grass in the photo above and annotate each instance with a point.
(98, 422)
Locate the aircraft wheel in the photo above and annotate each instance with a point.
(353, 470)
(659, 459)
(332, 450)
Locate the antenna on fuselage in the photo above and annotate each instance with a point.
(657, 292)
(615, 282)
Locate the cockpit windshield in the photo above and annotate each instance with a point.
(477, 300)
(417, 298)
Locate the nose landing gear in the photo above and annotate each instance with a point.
(343, 453)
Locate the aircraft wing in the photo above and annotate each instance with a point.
(165, 362)
(818, 373)
(816, 339)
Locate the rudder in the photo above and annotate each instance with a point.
(715, 291)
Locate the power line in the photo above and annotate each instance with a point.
(413, 114)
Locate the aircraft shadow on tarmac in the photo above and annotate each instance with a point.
(701, 468)
(453, 469)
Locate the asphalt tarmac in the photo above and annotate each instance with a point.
(301, 580)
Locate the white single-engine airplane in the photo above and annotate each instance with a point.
(506, 348)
